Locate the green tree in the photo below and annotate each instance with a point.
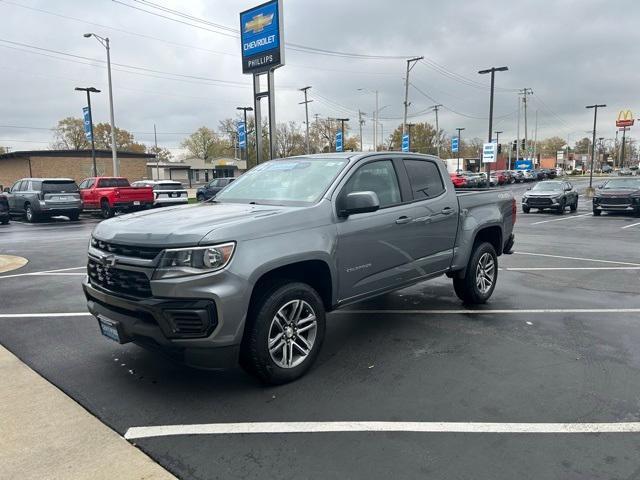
(549, 146)
(69, 134)
(583, 145)
(206, 144)
(3, 150)
(162, 154)
(125, 141)
(424, 138)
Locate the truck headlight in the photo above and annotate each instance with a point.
(180, 262)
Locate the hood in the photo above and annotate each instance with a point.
(619, 192)
(531, 193)
(182, 225)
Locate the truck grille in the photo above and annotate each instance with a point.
(116, 280)
(542, 202)
(147, 253)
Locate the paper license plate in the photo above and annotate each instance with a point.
(109, 329)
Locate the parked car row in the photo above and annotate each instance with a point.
(41, 198)
(466, 179)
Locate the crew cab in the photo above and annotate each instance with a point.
(114, 194)
(251, 274)
(618, 195)
(166, 192)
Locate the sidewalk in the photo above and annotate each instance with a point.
(44, 434)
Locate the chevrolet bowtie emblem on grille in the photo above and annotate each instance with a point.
(625, 119)
(108, 261)
(258, 23)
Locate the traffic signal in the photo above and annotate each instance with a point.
(514, 145)
(522, 144)
(499, 148)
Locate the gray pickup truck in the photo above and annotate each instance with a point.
(250, 275)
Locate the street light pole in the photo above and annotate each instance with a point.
(90, 90)
(593, 144)
(306, 115)
(492, 71)
(459, 146)
(360, 122)
(105, 43)
(246, 132)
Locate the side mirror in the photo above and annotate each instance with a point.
(529, 188)
(359, 202)
(600, 186)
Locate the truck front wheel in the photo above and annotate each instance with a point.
(482, 275)
(284, 333)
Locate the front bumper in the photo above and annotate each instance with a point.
(154, 323)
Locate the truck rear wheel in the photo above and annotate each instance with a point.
(105, 209)
(482, 275)
(284, 333)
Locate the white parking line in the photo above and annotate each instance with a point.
(576, 258)
(505, 311)
(543, 269)
(564, 218)
(420, 427)
(632, 225)
(44, 315)
(43, 272)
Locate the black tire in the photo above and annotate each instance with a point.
(467, 288)
(596, 212)
(4, 221)
(29, 214)
(562, 207)
(200, 198)
(255, 357)
(105, 209)
(74, 217)
(526, 209)
(574, 206)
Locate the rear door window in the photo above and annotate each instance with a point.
(59, 186)
(425, 179)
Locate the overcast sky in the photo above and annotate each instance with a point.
(570, 52)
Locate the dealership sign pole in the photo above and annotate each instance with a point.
(624, 121)
(262, 39)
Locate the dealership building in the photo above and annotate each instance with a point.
(75, 164)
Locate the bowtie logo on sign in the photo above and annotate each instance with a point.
(258, 23)
(625, 119)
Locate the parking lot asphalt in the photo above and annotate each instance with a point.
(559, 342)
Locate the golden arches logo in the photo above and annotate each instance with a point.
(625, 118)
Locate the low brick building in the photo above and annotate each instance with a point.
(76, 164)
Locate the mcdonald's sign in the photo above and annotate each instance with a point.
(625, 119)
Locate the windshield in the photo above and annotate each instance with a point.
(168, 186)
(630, 183)
(547, 186)
(59, 186)
(300, 180)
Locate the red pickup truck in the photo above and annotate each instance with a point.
(114, 194)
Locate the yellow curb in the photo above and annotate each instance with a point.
(11, 262)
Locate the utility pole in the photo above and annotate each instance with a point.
(593, 145)
(535, 141)
(360, 123)
(246, 131)
(410, 64)
(155, 141)
(409, 125)
(526, 91)
(518, 130)
(375, 126)
(435, 109)
(306, 115)
(492, 71)
(624, 141)
(459, 146)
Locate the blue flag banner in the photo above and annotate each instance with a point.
(405, 142)
(242, 135)
(86, 115)
(339, 146)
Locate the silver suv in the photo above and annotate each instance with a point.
(41, 198)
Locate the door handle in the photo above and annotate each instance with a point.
(403, 219)
(446, 211)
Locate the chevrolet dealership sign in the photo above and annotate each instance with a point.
(261, 37)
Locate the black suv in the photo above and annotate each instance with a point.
(4, 210)
(212, 188)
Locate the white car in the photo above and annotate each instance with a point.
(166, 192)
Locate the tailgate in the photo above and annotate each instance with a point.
(131, 194)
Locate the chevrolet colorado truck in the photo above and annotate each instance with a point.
(251, 275)
(114, 194)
